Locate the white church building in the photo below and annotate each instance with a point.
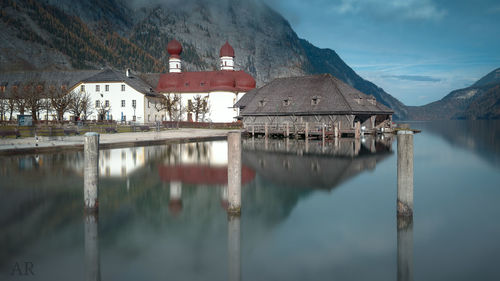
(220, 89)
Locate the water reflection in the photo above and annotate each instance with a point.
(314, 164)
(405, 248)
(480, 136)
(92, 261)
(234, 247)
(171, 198)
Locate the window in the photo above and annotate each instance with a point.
(97, 104)
(97, 88)
(190, 105)
(149, 117)
(262, 103)
(106, 103)
(149, 104)
(82, 88)
(134, 103)
(106, 88)
(286, 102)
(123, 88)
(123, 103)
(315, 101)
(134, 118)
(124, 117)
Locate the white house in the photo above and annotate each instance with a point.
(220, 89)
(122, 97)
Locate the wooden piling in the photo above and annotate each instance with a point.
(323, 133)
(234, 172)
(287, 130)
(266, 131)
(91, 171)
(357, 130)
(405, 173)
(306, 131)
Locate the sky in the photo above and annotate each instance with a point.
(416, 50)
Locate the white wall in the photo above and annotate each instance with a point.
(220, 105)
(115, 95)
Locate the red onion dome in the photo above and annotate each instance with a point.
(244, 81)
(223, 79)
(226, 50)
(174, 48)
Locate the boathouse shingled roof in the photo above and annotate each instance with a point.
(305, 95)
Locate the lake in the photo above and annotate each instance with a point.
(309, 212)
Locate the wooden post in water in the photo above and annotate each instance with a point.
(91, 236)
(91, 171)
(287, 130)
(253, 131)
(405, 173)
(357, 130)
(234, 172)
(323, 133)
(266, 130)
(306, 132)
(234, 247)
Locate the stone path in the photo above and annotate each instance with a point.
(48, 144)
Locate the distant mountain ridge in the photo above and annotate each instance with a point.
(481, 100)
(90, 34)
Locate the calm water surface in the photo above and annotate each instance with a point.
(309, 212)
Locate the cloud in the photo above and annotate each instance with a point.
(417, 78)
(390, 9)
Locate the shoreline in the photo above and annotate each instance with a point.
(9, 147)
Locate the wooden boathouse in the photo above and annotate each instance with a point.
(316, 105)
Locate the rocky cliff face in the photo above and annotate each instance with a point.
(479, 101)
(64, 34)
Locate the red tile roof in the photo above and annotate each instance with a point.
(205, 81)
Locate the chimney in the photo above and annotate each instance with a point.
(127, 72)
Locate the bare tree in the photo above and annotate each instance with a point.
(18, 100)
(11, 106)
(102, 109)
(47, 107)
(169, 103)
(199, 107)
(60, 100)
(81, 105)
(87, 107)
(33, 96)
(180, 112)
(3, 109)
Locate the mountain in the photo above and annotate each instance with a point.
(481, 100)
(90, 34)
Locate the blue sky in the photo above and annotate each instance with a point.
(417, 50)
